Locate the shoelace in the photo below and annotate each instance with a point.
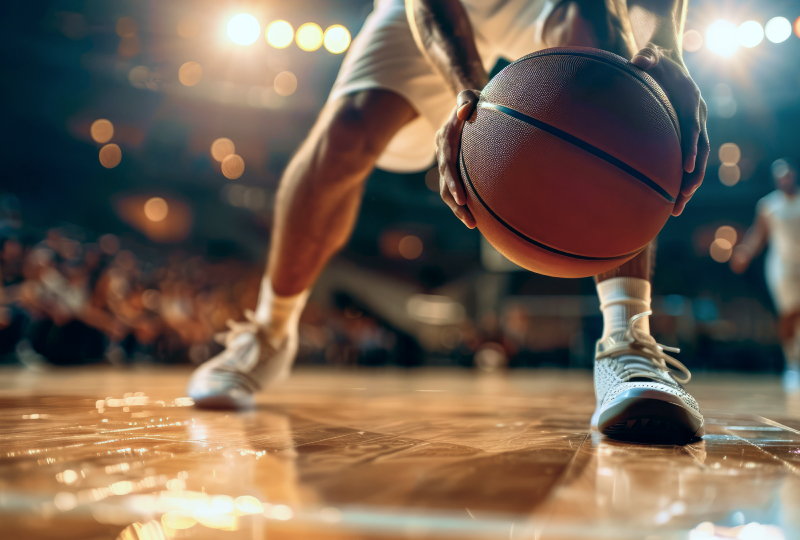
(250, 325)
(644, 347)
(238, 327)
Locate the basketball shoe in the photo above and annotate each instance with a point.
(252, 360)
(638, 397)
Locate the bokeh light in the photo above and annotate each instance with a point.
(248, 504)
(721, 38)
(285, 83)
(728, 233)
(729, 175)
(101, 131)
(243, 29)
(129, 47)
(156, 209)
(190, 73)
(126, 27)
(750, 34)
(188, 27)
(720, 250)
(233, 167)
(177, 520)
(110, 156)
(138, 76)
(778, 29)
(280, 34)
(337, 39)
(309, 37)
(797, 27)
(692, 41)
(410, 247)
(222, 148)
(730, 154)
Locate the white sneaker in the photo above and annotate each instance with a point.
(638, 398)
(249, 363)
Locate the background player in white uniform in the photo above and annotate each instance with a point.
(396, 88)
(777, 224)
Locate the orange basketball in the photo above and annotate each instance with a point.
(573, 162)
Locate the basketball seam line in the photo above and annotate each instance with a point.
(673, 118)
(583, 145)
(529, 239)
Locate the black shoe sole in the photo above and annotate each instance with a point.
(650, 416)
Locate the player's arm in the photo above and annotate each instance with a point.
(443, 33)
(754, 241)
(658, 25)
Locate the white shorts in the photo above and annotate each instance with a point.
(783, 282)
(385, 56)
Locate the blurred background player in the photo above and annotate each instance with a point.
(777, 224)
(395, 88)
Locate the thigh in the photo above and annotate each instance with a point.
(384, 56)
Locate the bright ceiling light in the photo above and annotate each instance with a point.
(778, 29)
(337, 39)
(244, 29)
(309, 37)
(721, 38)
(280, 34)
(750, 34)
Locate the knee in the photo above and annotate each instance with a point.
(354, 133)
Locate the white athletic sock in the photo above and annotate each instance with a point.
(620, 299)
(280, 314)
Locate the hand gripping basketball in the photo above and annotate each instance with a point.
(685, 97)
(448, 141)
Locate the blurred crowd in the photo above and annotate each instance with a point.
(69, 302)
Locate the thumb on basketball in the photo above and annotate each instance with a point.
(467, 105)
(646, 58)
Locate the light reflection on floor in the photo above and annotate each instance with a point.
(424, 454)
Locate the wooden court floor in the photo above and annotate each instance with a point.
(106, 453)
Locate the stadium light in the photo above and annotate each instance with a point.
(721, 38)
(280, 34)
(750, 34)
(243, 29)
(778, 29)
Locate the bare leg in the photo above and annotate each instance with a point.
(317, 206)
(320, 193)
(640, 266)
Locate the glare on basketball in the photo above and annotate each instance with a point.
(222, 148)
(110, 156)
(102, 130)
(233, 167)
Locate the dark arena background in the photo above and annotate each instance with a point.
(439, 391)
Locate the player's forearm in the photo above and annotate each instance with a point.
(443, 33)
(660, 22)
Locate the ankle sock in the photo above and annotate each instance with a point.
(280, 314)
(620, 299)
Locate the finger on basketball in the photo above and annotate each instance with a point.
(461, 212)
(646, 58)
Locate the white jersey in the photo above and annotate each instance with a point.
(782, 265)
(385, 56)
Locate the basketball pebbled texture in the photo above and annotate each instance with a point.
(573, 162)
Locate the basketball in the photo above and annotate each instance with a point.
(572, 164)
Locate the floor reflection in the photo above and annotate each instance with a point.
(389, 455)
